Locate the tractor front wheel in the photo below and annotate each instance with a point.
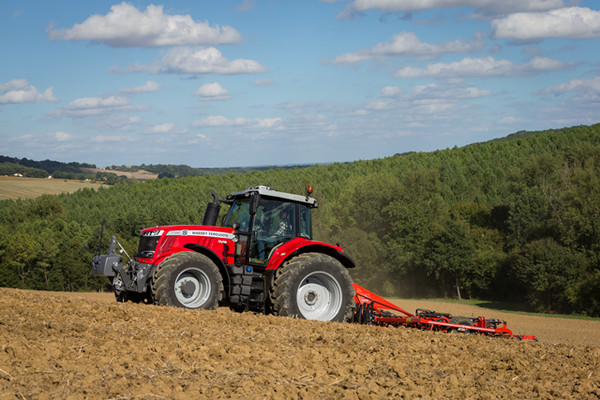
(314, 286)
(189, 280)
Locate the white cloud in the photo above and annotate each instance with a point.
(418, 110)
(586, 91)
(572, 23)
(380, 105)
(21, 91)
(481, 68)
(308, 128)
(592, 84)
(96, 106)
(247, 5)
(163, 128)
(435, 101)
(217, 121)
(485, 7)
(126, 26)
(351, 58)
(268, 122)
(407, 44)
(212, 91)
(149, 86)
(264, 82)
(118, 122)
(221, 121)
(445, 91)
(63, 136)
(298, 108)
(546, 64)
(509, 120)
(391, 91)
(110, 139)
(198, 139)
(47, 143)
(197, 61)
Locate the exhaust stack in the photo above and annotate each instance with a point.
(212, 211)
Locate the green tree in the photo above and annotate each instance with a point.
(585, 294)
(416, 205)
(44, 275)
(46, 206)
(22, 250)
(447, 256)
(546, 270)
(361, 222)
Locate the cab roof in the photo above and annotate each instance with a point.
(265, 191)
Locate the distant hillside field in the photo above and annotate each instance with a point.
(12, 188)
(140, 175)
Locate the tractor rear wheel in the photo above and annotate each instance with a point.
(314, 286)
(188, 279)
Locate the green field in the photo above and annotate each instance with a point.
(12, 188)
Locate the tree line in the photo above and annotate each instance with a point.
(73, 170)
(43, 169)
(178, 171)
(516, 219)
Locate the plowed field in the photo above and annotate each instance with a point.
(76, 346)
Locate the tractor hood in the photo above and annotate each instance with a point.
(161, 241)
(188, 230)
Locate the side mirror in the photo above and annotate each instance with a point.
(254, 203)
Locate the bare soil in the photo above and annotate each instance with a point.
(77, 346)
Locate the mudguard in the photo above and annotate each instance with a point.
(302, 245)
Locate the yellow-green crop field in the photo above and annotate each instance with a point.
(12, 188)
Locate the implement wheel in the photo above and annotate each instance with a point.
(189, 280)
(314, 286)
(462, 321)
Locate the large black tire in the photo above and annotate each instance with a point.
(189, 280)
(314, 286)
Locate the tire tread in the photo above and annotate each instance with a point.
(161, 287)
(291, 274)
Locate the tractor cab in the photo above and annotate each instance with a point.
(264, 219)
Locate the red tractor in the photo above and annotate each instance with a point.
(262, 258)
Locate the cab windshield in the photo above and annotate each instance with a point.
(239, 213)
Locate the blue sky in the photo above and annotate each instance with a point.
(245, 83)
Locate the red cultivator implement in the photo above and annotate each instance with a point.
(373, 310)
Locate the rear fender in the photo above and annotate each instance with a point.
(299, 245)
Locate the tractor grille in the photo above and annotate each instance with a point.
(147, 246)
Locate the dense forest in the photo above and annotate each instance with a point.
(515, 219)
